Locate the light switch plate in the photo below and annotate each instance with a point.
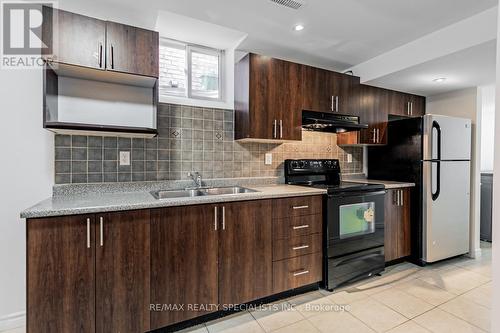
(124, 158)
(349, 158)
(269, 159)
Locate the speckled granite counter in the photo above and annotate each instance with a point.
(387, 183)
(108, 202)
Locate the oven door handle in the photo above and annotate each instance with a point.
(357, 194)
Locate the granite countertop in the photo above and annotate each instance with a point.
(389, 184)
(74, 204)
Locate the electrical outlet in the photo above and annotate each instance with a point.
(349, 158)
(269, 159)
(124, 158)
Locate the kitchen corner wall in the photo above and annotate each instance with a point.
(190, 139)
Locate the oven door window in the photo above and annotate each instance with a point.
(357, 219)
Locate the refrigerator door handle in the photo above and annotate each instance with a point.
(435, 125)
(435, 195)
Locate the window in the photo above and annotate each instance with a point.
(190, 71)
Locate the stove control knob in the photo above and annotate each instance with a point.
(303, 164)
(295, 164)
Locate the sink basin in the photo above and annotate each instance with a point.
(228, 190)
(177, 194)
(169, 194)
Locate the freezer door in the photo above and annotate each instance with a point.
(446, 202)
(446, 138)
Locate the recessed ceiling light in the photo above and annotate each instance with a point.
(439, 80)
(298, 27)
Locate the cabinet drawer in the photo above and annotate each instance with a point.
(296, 272)
(298, 206)
(296, 246)
(297, 226)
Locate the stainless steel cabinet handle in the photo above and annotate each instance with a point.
(408, 108)
(281, 129)
(223, 218)
(301, 227)
(300, 273)
(411, 109)
(101, 230)
(275, 125)
(112, 57)
(332, 102)
(88, 233)
(295, 248)
(402, 198)
(300, 207)
(374, 135)
(215, 219)
(336, 103)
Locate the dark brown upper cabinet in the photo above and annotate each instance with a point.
(406, 105)
(84, 41)
(267, 99)
(73, 39)
(328, 91)
(132, 50)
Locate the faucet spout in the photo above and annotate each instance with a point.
(196, 177)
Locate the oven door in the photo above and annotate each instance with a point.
(355, 222)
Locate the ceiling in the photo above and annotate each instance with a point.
(471, 67)
(338, 33)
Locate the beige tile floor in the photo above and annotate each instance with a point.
(452, 296)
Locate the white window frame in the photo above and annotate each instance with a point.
(188, 71)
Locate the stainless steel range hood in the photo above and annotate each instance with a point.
(329, 122)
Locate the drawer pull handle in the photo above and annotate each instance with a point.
(300, 273)
(301, 227)
(300, 207)
(295, 248)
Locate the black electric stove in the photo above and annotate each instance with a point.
(353, 221)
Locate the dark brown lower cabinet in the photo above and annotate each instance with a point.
(397, 224)
(85, 275)
(61, 274)
(245, 252)
(122, 271)
(184, 257)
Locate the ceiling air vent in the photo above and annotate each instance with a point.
(294, 4)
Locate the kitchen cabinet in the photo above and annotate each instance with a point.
(397, 224)
(245, 252)
(60, 276)
(406, 105)
(184, 261)
(89, 273)
(73, 39)
(327, 91)
(373, 110)
(267, 99)
(132, 50)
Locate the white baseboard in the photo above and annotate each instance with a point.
(13, 320)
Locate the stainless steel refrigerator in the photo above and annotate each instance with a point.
(433, 152)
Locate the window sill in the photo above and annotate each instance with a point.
(197, 102)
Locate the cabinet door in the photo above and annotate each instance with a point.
(73, 39)
(122, 271)
(417, 106)
(60, 274)
(184, 262)
(132, 50)
(404, 241)
(318, 89)
(346, 92)
(374, 108)
(391, 231)
(245, 252)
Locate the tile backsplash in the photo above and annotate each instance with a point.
(190, 139)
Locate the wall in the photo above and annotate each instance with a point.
(465, 103)
(190, 139)
(26, 175)
(487, 126)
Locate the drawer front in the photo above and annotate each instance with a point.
(297, 226)
(296, 272)
(298, 206)
(296, 246)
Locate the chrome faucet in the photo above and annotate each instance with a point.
(196, 177)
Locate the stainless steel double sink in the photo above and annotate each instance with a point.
(190, 193)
